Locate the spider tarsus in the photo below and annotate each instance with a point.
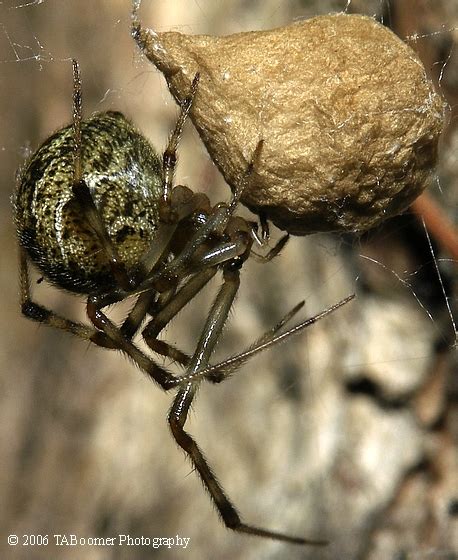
(264, 533)
(189, 99)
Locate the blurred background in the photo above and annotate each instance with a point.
(347, 432)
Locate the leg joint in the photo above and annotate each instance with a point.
(35, 312)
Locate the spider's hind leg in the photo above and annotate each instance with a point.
(169, 157)
(41, 314)
(180, 408)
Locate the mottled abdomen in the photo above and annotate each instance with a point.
(124, 176)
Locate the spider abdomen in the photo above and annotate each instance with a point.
(124, 176)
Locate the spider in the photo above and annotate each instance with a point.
(97, 212)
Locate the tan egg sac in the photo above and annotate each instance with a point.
(349, 118)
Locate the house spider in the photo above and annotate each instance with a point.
(97, 212)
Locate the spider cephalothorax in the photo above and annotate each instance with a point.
(97, 212)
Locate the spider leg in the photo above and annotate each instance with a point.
(81, 191)
(169, 157)
(41, 314)
(193, 286)
(155, 254)
(121, 337)
(176, 304)
(182, 204)
(103, 338)
(221, 371)
(216, 224)
(206, 263)
(168, 350)
(77, 119)
(165, 349)
(188, 262)
(166, 313)
(157, 373)
(180, 408)
(164, 378)
(180, 199)
(137, 314)
(276, 249)
(226, 509)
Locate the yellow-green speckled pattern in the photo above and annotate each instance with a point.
(124, 176)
